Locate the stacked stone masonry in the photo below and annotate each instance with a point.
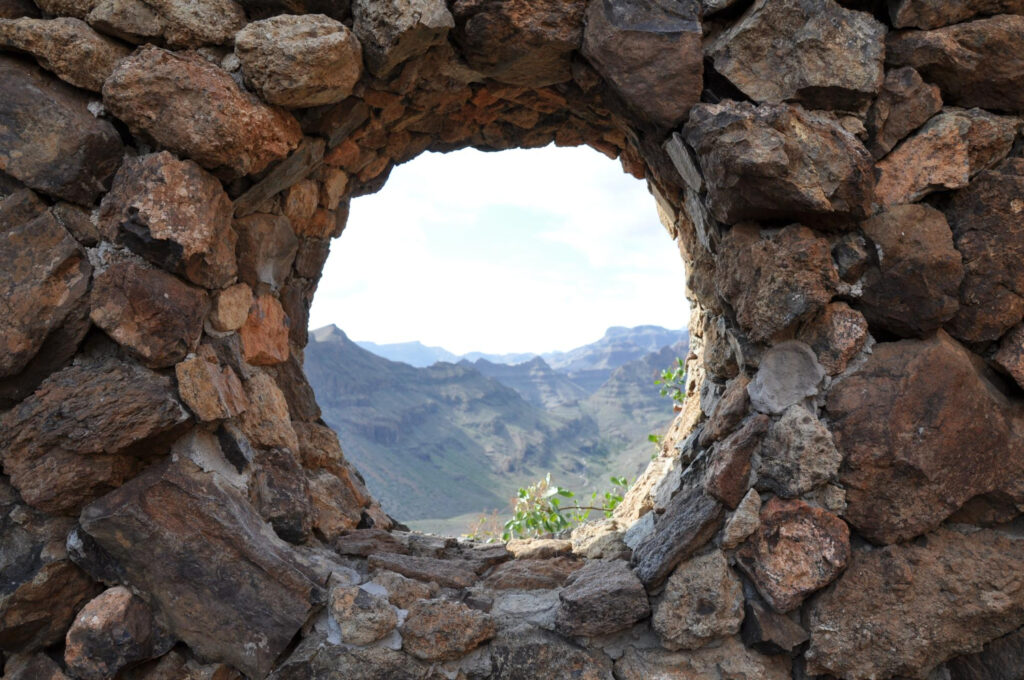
(840, 498)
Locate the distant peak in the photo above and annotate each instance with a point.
(329, 333)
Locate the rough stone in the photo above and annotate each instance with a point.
(265, 332)
(950, 149)
(266, 422)
(71, 8)
(650, 54)
(196, 110)
(775, 280)
(603, 597)
(728, 412)
(78, 221)
(999, 660)
(20, 206)
(770, 632)
(525, 653)
(728, 473)
(987, 230)
(921, 431)
(743, 521)
(918, 604)
(266, 249)
(776, 161)
(836, 334)
(82, 432)
(130, 20)
(68, 47)
(904, 104)
(445, 573)
(199, 533)
(798, 454)
(1010, 355)
(810, 51)
(15, 9)
(194, 23)
(402, 591)
(192, 237)
(35, 667)
(299, 61)
(212, 392)
(728, 660)
(111, 631)
(797, 550)
(48, 138)
(438, 630)
(978, 63)
(362, 616)
(148, 311)
(280, 493)
(533, 574)
(395, 31)
(929, 14)
(315, 657)
(789, 373)
(689, 521)
(703, 600)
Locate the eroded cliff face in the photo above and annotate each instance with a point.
(839, 498)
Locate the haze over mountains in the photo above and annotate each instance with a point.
(439, 436)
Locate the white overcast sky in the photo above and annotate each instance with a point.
(517, 251)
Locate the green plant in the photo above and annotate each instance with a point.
(673, 382)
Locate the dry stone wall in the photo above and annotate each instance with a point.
(840, 498)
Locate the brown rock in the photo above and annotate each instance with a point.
(280, 493)
(212, 392)
(297, 167)
(836, 334)
(743, 522)
(362, 617)
(70, 8)
(112, 630)
(67, 47)
(603, 597)
(774, 281)
(300, 202)
(779, 162)
(728, 660)
(533, 574)
(266, 422)
(438, 630)
(445, 573)
(315, 657)
(46, 274)
(195, 109)
(190, 236)
(905, 103)
(953, 147)
(334, 508)
(20, 206)
(521, 42)
(402, 591)
(1010, 356)
(198, 534)
(35, 667)
(935, 13)
(194, 23)
(266, 249)
(999, 659)
(48, 138)
(689, 521)
(797, 550)
(650, 54)
(395, 31)
(729, 412)
(810, 51)
(917, 604)
(300, 60)
(987, 230)
(311, 257)
(703, 600)
(978, 63)
(265, 332)
(152, 313)
(366, 542)
(78, 221)
(728, 474)
(921, 431)
(78, 436)
(131, 20)
(526, 652)
(798, 454)
(231, 308)
(768, 631)
(15, 9)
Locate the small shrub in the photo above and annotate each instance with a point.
(673, 382)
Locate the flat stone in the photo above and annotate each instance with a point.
(266, 249)
(743, 521)
(525, 652)
(703, 600)
(395, 31)
(797, 455)
(200, 535)
(789, 373)
(194, 23)
(921, 431)
(265, 332)
(797, 550)
(153, 314)
(728, 474)
(977, 63)
(776, 161)
(536, 607)
(82, 432)
(650, 54)
(935, 13)
(918, 604)
(768, 631)
(999, 659)
(904, 104)
(438, 630)
(48, 138)
(728, 660)
(689, 521)
(366, 542)
(776, 53)
(362, 617)
(68, 47)
(603, 597)
(445, 573)
(191, 237)
(231, 307)
(280, 493)
(533, 574)
(130, 20)
(836, 334)
(267, 422)
(195, 109)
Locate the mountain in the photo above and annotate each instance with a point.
(534, 380)
(412, 353)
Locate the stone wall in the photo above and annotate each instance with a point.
(838, 499)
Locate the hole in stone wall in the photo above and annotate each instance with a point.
(482, 262)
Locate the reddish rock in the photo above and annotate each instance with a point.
(948, 151)
(703, 600)
(194, 23)
(266, 249)
(402, 591)
(915, 286)
(212, 392)
(300, 202)
(265, 332)
(603, 597)
(728, 474)
(727, 414)
(67, 47)
(777, 161)
(649, 53)
(267, 422)
(335, 509)
(978, 63)
(438, 630)
(987, 230)
(446, 573)
(1010, 356)
(48, 138)
(111, 631)
(917, 604)
(797, 550)
(231, 308)
(777, 51)
(532, 574)
(798, 455)
(362, 617)
(836, 334)
(195, 109)
(904, 104)
(936, 13)
(176, 215)
(395, 31)
(81, 433)
(280, 494)
(148, 311)
(690, 520)
(921, 431)
(130, 20)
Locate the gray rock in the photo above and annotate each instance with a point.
(728, 660)
(769, 632)
(130, 20)
(316, 657)
(362, 617)
(999, 660)
(394, 31)
(797, 455)
(536, 607)
(689, 521)
(789, 374)
(703, 600)
(603, 597)
(525, 653)
(937, 13)
(743, 521)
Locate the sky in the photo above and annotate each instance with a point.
(516, 251)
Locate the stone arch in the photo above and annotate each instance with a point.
(849, 457)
